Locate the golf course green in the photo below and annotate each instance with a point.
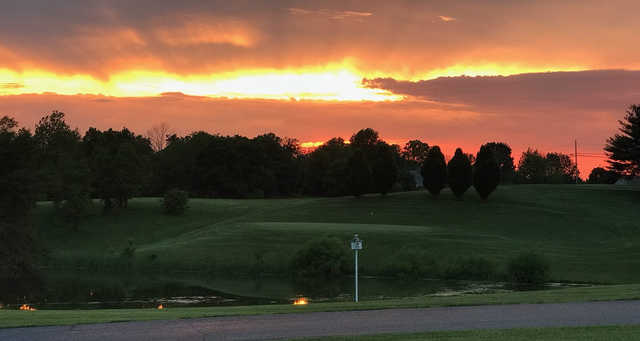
(589, 233)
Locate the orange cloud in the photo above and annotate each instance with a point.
(446, 18)
(199, 32)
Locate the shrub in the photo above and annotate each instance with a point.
(175, 202)
(486, 173)
(434, 171)
(528, 269)
(459, 173)
(325, 258)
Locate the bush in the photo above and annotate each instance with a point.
(434, 171)
(325, 258)
(459, 173)
(175, 202)
(486, 173)
(528, 269)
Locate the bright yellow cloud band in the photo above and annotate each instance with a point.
(332, 85)
(336, 82)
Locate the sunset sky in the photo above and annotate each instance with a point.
(535, 74)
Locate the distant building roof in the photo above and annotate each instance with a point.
(628, 181)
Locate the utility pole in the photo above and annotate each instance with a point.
(575, 145)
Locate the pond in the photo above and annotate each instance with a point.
(91, 291)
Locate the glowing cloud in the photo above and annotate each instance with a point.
(446, 18)
(333, 84)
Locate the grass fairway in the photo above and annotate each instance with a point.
(17, 318)
(611, 333)
(589, 233)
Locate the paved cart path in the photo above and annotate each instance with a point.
(268, 327)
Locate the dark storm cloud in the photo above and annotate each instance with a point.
(579, 90)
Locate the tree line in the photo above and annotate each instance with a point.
(57, 163)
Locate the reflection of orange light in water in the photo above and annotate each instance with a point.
(301, 301)
(27, 307)
(160, 307)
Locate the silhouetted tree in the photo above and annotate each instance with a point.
(502, 153)
(560, 169)
(623, 149)
(365, 139)
(486, 173)
(434, 171)
(158, 135)
(600, 175)
(326, 170)
(18, 192)
(119, 162)
(459, 173)
(532, 167)
(415, 151)
(384, 171)
(359, 173)
(64, 171)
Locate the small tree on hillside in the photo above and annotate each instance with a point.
(486, 173)
(359, 173)
(175, 202)
(384, 171)
(459, 173)
(434, 171)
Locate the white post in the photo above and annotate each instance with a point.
(356, 275)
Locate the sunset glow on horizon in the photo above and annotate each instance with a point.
(446, 73)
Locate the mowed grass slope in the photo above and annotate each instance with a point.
(589, 233)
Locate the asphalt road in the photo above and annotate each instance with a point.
(268, 327)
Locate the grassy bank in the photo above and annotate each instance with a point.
(612, 333)
(16, 318)
(589, 233)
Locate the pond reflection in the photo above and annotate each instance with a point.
(56, 290)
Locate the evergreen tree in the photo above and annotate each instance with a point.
(359, 173)
(486, 173)
(434, 171)
(502, 153)
(623, 149)
(459, 173)
(384, 170)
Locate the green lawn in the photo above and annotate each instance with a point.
(612, 333)
(17, 318)
(590, 233)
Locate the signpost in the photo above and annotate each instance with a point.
(356, 244)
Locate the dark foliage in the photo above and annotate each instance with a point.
(415, 151)
(119, 162)
(434, 171)
(322, 258)
(528, 269)
(175, 202)
(486, 173)
(502, 154)
(359, 173)
(326, 169)
(600, 175)
(459, 173)
(554, 168)
(623, 149)
(18, 191)
(384, 171)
